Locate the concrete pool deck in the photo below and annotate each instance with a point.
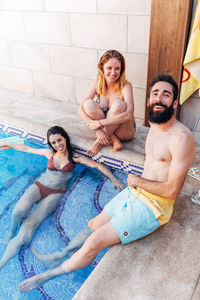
(164, 265)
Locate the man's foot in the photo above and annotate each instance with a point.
(49, 260)
(31, 283)
(96, 147)
(117, 145)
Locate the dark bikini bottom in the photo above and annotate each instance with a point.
(46, 191)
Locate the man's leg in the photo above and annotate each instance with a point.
(101, 238)
(52, 260)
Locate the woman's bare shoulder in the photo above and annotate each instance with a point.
(127, 84)
(49, 153)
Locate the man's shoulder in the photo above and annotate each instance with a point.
(180, 130)
(181, 137)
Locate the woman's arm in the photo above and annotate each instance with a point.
(127, 115)
(100, 135)
(93, 164)
(89, 95)
(25, 148)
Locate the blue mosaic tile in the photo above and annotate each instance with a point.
(90, 191)
(112, 162)
(36, 138)
(14, 131)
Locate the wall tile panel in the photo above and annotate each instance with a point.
(133, 7)
(138, 34)
(16, 79)
(29, 56)
(80, 6)
(99, 31)
(54, 86)
(75, 62)
(12, 26)
(23, 4)
(48, 28)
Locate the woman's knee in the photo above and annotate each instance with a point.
(29, 225)
(117, 107)
(18, 212)
(90, 107)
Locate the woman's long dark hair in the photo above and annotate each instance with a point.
(63, 133)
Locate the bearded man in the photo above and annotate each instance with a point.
(147, 202)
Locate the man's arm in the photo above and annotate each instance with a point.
(182, 151)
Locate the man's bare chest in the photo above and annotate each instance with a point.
(157, 149)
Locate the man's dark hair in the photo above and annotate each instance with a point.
(167, 78)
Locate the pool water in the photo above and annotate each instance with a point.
(88, 192)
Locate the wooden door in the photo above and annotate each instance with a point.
(169, 27)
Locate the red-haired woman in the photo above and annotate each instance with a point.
(108, 107)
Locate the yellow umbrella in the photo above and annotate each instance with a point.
(191, 72)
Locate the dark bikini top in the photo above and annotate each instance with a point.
(67, 168)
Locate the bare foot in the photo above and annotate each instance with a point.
(38, 280)
(31, 283)
(50, 260)
(96, 147)
(117, 145)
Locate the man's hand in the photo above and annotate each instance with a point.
(133, 180)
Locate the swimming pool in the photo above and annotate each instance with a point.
(87, 194)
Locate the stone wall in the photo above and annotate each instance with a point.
(51, 48)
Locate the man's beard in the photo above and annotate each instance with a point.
(160, 117)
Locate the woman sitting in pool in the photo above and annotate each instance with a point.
(108, 106)
(48, 189)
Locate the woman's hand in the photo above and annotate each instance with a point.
(116, 183)
(102, 137)
(2, 144)
(93, 124)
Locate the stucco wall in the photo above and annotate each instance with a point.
(51, 48)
